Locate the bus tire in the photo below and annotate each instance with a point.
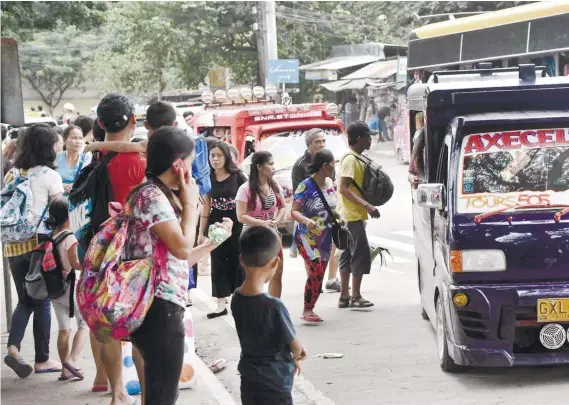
(445, 361)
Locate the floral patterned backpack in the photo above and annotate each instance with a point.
(114, 294)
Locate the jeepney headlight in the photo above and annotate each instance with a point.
(207, 97)
(271, 91)
(220, 96)
(483, 260)
(258, 92)
(246, 93)
(332, 109)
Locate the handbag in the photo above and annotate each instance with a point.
(340, 233)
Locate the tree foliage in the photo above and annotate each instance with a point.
(145, 47)
(21, 19)
(51, 66)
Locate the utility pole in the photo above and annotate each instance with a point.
(266, 37)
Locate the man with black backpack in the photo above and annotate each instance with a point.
(111, 178)
(354, 209)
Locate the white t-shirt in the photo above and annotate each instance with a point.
(45, 183)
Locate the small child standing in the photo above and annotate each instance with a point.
(270, 350)
(58, 221)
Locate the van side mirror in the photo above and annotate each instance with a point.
(430, 195)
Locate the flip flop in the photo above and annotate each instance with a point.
(65, 377)
(76, 372)
(311, 318)
(99, 388)
(20, 367)
(48, 370)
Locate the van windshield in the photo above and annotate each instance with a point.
(505, 169)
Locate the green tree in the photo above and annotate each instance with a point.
(22, 19)
(52, 65)
(141, 49)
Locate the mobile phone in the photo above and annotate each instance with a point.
(178, 166)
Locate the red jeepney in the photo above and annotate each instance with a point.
(276, 128)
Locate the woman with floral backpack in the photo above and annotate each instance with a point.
(161, 217)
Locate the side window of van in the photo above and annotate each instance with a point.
(442, 168)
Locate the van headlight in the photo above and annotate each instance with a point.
(477, 260)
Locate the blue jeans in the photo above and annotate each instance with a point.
(19, 267)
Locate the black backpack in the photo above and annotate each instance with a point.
(45, 277)
(89, 200)
(377, 187)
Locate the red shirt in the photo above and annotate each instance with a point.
(126, 171)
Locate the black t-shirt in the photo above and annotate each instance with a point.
(265, 332)
(223, 192)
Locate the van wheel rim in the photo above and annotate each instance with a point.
(440, 330)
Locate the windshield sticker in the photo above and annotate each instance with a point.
(508, 169)
(498, 141)
(487, 201)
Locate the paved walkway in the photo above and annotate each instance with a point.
(45, 389)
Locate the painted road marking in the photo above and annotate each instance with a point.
(390, 243)
(407, 234)
(301, 384)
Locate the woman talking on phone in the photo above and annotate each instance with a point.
(165, 211)
(260, 202)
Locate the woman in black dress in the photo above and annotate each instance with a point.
(226, 178)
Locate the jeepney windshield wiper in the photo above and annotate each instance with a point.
(478, 218)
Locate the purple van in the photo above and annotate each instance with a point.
(491, 216)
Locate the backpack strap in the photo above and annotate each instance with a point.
(324, 201)
(71, 278)
(361, 159)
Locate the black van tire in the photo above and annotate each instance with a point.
(445, 361)
(423, 312)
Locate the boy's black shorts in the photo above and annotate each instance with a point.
(266, 398)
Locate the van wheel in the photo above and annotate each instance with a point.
(423, 312)
(400, 156)
(445, 361)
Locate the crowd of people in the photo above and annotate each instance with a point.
(151, 180)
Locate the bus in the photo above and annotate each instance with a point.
(535, 33)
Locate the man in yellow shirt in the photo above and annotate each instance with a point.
(356, 260)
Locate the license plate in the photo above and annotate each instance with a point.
(553, 310)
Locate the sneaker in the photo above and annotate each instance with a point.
(333, 285)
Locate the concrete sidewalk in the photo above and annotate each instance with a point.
(45, 389)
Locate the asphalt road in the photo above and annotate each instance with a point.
(389, 352)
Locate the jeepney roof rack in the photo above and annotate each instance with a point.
(526, 72)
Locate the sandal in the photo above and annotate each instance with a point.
(311, 318)
(360, 302)
(344, 302)
(20, 367)
(75, 372)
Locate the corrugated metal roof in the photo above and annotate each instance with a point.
(358, 84)
(342, 62)
(377, 70)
